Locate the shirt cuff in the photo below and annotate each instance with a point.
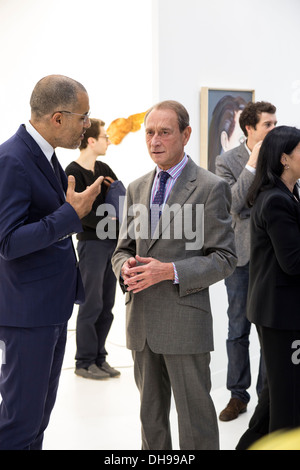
(176, 278)
(250, 168)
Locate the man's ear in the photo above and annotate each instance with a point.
(91, 140)
(56, 119)
(187, 133)
(248, 129)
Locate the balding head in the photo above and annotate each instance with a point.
(53, 93)
(59, 110)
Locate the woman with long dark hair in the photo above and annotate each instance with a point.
(274, 283)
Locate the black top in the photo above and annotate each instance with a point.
(273, 293)
(85, 178)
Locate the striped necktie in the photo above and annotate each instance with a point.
(158, 200)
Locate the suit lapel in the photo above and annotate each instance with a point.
(47, 170)
(43, 163)
(145, 202)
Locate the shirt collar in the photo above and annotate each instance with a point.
(46, 148)
(175, 171)
(247, 148)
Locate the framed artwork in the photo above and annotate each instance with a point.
(220, 131)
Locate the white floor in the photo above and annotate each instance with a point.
(104, 415)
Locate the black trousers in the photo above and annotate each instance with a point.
(278, 406)
(95, 315)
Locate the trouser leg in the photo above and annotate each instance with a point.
(237, 344)
(283, 377)
(189, 378)
(191, 385)
(28, 383)
(154, 386)
(105, 320)
(278, 405)
(95, 314)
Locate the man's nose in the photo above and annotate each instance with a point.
(156, 140)
(87, 123)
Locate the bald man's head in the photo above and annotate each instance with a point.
(53, 93)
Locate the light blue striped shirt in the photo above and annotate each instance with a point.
(174, 173)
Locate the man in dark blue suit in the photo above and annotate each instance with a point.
(39, 276)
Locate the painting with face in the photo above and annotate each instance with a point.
(220, 129)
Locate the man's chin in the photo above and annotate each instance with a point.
(72, 146)
(157, 157)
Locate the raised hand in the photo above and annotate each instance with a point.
(82, 202)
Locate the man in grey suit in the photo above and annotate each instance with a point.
(237, 167)
(166, 277)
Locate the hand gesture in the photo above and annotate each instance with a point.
(82, 202)
(254, 154)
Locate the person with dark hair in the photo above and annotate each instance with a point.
(274, 278)
(39, 276)
(237, 167)
(166, 279)
(95, 315)
(252, 116)
(224, 130)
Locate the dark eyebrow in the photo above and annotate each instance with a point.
(270, 122)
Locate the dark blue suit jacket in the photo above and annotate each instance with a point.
(39, 277)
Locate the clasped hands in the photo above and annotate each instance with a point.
(139, 273)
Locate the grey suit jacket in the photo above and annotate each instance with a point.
(231, 166)
(176, 318)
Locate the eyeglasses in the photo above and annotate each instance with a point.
(104, 137)
(86, 117)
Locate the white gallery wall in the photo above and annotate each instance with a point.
(105, 45)
(134, 53)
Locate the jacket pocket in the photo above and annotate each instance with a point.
(198, 300)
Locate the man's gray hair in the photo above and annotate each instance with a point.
(54, 93)
(182, 114)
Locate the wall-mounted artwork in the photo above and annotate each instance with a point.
(120, 127)
(219, 120)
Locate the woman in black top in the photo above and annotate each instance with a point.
(274, 283)
(95, 250)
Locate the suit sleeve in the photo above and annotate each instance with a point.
(239, 186)
(18, 237)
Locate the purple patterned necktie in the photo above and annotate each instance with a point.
(158, 200)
